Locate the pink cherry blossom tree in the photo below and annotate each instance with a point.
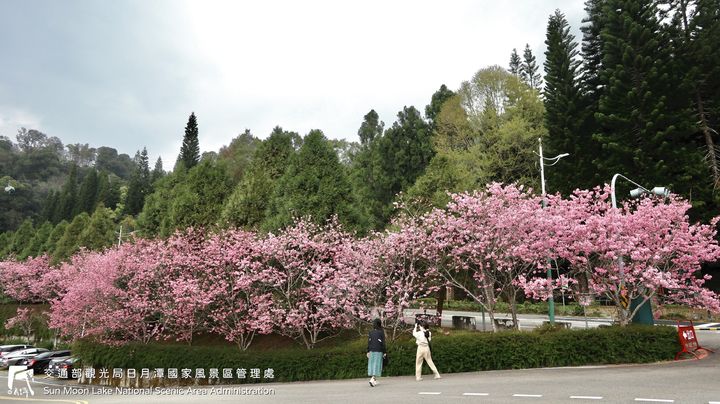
(111, 295)
(312, 293)
(236, 283)
(22, 280)
(481, 243)
(88, 301)
(402, 275)
(638, 249)
(183, 300)
(23, 319)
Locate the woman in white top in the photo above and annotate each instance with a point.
(422, 339)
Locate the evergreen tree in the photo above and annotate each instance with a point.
(592, 86)
(190, 150)
(436, 103)
(695, 38)
(68, 243)
(68, 195)
(21, 238)
(103, 187)
(51, 211)
(108, 190)
(592, 53)
(238, 155)
(394, 162)
(198, 200)
(371, 128)
(274, 154)
(157, 171)
(87, 197)
(55, 236)
(5, 239)
(515, 63)
(314, 184)
(246, 206)
(529, 69)
(564, 115)
(642, 135)
(35, 247)
(100, 231)
(140, 185)
(155, 220)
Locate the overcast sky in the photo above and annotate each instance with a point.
(127, 74)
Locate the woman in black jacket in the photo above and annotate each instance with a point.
(375, 351)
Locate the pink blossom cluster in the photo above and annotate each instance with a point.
(309, 281)
(500, 241)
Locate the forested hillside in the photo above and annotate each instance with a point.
(638, 94)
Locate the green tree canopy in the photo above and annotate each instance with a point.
(314, 184)
(100, 230)
(68, 244)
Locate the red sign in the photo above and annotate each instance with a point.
(688, 340)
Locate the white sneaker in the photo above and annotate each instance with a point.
(438, 377)
(419, 379)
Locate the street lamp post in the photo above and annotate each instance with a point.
(551, 301)
(644, 314)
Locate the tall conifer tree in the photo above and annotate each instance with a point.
(190, 150)
(529, 69)
(641, 134)
(515, 62)
(564, 109)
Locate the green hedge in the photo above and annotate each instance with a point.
(459, 352)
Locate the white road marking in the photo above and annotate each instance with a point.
(476, 394)
(587, 397)
(433, 393)
(655, 400)
(713, 402)
(527, 395)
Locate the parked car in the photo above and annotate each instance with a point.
(53, 368)
(14, 357)
(40, 362)
(5, 349)
(61, 366)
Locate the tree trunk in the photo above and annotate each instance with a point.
(441, 294)
(709, 142)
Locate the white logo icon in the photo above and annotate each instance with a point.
(20, 373)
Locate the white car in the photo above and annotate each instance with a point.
(13, 358)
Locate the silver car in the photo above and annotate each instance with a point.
(13, 358)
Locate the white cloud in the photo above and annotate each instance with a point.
(128, 75)
(324, 64)
(12, 119)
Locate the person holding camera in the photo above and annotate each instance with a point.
(423, 337)
(376, 351)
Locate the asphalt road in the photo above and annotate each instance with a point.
(690, 381)
(526, 321)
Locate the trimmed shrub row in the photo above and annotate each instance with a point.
(461, 352)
